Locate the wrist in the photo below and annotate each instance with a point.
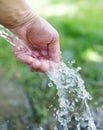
(15, 13)
(21, 18)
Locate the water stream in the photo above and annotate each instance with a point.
(73, 112)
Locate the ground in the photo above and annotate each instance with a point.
(13, 105)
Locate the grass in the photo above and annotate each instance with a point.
(81, 39)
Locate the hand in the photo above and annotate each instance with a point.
(40, 45)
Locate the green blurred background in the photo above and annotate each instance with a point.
(80, 26)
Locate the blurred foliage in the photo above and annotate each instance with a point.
(81, 39)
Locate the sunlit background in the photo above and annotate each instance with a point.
(80, 26)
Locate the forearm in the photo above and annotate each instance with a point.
(14, 13)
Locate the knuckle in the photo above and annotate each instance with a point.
(55, 37)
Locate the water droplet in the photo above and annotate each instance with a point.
(41, 128)
(78, 69)
(54, 109)
(76, 100)
(50, 84)
(73, 61)
(51, 106)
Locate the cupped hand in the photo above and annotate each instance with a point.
(39, 45)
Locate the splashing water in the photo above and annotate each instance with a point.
(72, 97)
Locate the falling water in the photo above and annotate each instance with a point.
(73, 109)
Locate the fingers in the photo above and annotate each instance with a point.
(25, 58)
(41, 65)
(54, 51)
(54, 48)
(35, 64)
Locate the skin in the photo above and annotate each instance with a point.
(40, 49)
